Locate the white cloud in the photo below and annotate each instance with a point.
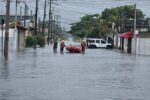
(71, 10)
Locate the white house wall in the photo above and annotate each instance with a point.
(119, 44)
(143, 46)
(22, 41)
(125, 44)
(115, 41)
(12, 39)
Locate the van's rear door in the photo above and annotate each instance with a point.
(103, 43)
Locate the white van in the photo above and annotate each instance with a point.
(98, 43)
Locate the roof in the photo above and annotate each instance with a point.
(144, 35)
(19, 26)
(126, 35)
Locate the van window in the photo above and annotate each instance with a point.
(97, 41)
(103, 42)
(91, 41)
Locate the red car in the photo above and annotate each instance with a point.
(73, 49)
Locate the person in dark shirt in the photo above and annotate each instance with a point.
(62, 45)
(55, 46)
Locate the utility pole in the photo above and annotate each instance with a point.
(43, 25)
(135, 37)
(16, 15)
(25, 11)
(20, 12)
(122, 28)
(16, 24)
(6, 41)
(54, 27)
(39, 21)
(49, 22)
(2, 22)
(35, 29)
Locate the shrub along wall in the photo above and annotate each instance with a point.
(40, 40)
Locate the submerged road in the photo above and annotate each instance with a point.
(100, 74)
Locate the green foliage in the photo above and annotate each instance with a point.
(100, 25)
(41, 40)
(30, 41)
(86, 27)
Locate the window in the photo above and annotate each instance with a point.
(103, 42)
(97, 41)
(91, 41)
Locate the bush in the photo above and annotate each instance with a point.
(41, 40)
(30, 41)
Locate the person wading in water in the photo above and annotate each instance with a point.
(62, 45)
(83, 46)
(55, 46)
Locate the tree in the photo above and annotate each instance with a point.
(87, 26)
(121, 16)
(100, 25)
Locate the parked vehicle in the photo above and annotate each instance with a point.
(98, 43)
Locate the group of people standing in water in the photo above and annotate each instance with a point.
(55, 45)
(62, 45)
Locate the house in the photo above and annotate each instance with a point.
(143, 44)
(16, 37)
(129, 43)
(123, 42)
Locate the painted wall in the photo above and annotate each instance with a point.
(125, 44)
(22, 40)
(143, 46)
(12, 39)
(119, 42)
(115, 41)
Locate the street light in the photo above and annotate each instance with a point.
(135, 31)
(135, 37)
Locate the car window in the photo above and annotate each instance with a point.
(91, 41)
(103, 42)
(97, 41)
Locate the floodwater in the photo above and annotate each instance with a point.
(100, 74)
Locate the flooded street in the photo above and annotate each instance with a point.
(100, 74)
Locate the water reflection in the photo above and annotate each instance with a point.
(34, 59)
(4, 71)
(55, 51)
(4, 95)
(61, 52)
(98, 75)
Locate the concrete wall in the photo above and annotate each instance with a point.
(12, 39)
(143, 46)
(125, 44)
(22, 40)
(119, 42)
(115, 41)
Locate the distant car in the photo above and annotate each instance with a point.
(98, 43)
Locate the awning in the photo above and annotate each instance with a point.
(126, 35)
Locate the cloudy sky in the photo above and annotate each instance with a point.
(71, 10)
